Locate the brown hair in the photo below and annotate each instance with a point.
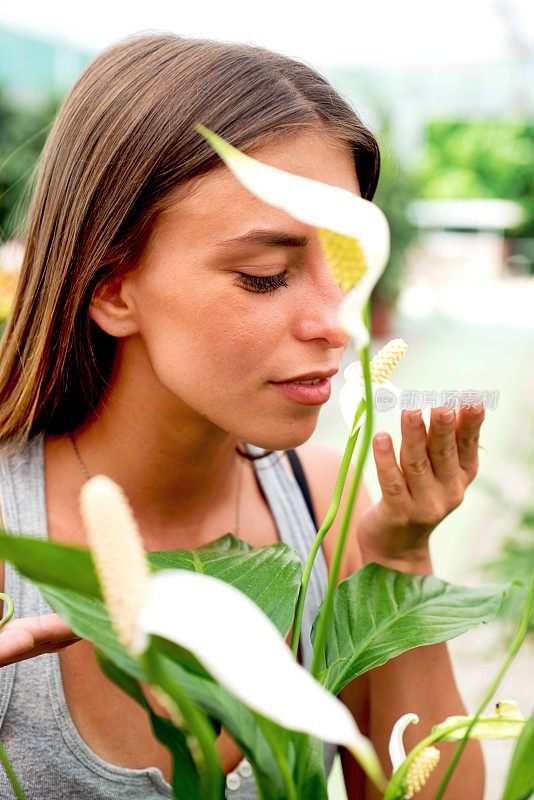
(120, 147)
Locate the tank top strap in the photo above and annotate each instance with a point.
(296, 528)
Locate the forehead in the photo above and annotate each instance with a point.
(216, 206)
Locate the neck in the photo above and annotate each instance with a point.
(180, 473)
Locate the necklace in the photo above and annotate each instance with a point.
(239, 482)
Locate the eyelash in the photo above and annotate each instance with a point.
(263, 283)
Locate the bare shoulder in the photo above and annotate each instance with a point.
(321, 463)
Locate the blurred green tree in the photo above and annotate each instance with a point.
(397, 187)
(23, 131)
(481, 159)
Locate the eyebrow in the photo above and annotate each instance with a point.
(267, 237)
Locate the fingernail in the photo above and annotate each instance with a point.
(382, 442)
(415, 419)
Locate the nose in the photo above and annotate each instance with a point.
(318, 313)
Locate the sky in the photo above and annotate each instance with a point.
(338, 32)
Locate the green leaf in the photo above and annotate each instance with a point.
(270, 576)
(380, 613)
(185, 778)
(520, 780)
(308, 767)
(51, 563)
(89, 619)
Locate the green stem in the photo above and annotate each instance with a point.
(323, 530)
(330, 514)
(10, 772)
(195, 720)
(10, 608)
(333, 577)
(281, 760)
(510, 655)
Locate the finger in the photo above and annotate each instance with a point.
(44, 629)
(414, 458)
(467, 436)
(392, 481)
(442, 448)
(13, 643)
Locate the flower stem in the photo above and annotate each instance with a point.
(280, 758)
(194, 719)
(336, 499)
(10, 772)
(513, 650)
(333, 577)
(10, 608)
(323, 530)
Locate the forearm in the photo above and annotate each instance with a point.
(422, 681)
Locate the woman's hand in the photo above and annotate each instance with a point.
(28, 637)
(435, 470)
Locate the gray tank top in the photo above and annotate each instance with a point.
(49, 756)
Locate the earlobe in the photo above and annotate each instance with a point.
(112, 309)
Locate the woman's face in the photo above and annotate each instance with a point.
(212, 341)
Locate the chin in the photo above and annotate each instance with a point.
(285, 437)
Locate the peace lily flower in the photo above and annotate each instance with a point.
(200, 612)
(386, 395)
(381, 366)
(506, 722)
(353, 232)
(421, 767)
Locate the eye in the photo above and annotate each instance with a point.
(262, 283)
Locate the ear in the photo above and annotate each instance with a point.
(112, 308)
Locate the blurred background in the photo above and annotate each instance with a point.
(448, 89)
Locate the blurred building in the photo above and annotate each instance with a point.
(33, 66)
(414, 95)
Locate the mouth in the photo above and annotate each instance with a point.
(309, 378)
(312, 392)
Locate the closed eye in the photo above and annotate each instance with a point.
(262, 283)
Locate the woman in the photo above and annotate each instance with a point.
(146, 343)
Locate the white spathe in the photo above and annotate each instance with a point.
(323, 206)
(201, 613)
(397, 752)
(262, 672)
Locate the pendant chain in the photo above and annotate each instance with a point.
(239, 482)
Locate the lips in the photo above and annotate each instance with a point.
(310, 376)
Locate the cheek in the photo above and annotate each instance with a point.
(199, 336)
